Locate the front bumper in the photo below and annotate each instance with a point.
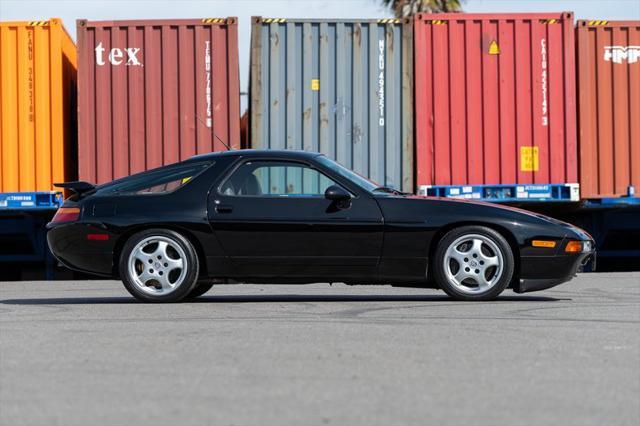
(543, 272)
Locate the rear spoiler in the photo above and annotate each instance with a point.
(79, 187)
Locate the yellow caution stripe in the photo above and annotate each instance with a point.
(549, 21)
(274, 20)
(438, 22)
(38, 23)
(389, 21)
(214, 20)
(597, 23)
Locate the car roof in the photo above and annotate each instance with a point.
(271, 153)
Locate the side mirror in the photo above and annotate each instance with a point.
(336, 193)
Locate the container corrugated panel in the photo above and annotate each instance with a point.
(342, 88)
(609, 107)
(154, 92)
(495, 99)
(38, 105)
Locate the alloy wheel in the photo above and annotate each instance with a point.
(157, 265)
(473, 264)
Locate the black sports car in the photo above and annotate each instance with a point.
(299, 217)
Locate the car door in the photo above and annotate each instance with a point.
(272, 219)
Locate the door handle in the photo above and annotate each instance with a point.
(223, 208)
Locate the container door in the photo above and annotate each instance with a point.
(272, 219)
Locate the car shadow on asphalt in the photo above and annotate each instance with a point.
(275, 298)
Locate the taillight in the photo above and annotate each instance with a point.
(66, 214)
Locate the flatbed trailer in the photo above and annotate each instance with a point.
(23, 216)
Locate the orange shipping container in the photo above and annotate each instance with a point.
(38, 106)
(609, 107)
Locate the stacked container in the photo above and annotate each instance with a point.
(37, 116)
(609, 107)
(495, 99)
(37, 136)
(342, 88)
(155, 92)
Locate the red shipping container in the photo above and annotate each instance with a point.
(495, 99)
(609, 107)
(154, 92)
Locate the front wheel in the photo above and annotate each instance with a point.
(159, 265)
(473, 263)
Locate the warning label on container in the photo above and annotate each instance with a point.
(494, 49)
(529, 159)
(315, 84)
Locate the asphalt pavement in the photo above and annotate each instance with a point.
(85, 353)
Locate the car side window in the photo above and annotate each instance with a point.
(160, 181)
(276, 178)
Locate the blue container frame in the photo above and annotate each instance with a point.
(509, 193)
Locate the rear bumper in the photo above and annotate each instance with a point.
(541, 273)
(70, 246)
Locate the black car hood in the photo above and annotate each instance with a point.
(489, 205)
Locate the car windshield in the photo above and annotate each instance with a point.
(363, 182)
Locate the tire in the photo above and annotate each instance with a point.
(201, 288)
(159, 265)
(473, 263)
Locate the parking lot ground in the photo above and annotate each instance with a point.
(85, 353)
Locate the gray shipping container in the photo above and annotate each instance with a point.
(340, 87)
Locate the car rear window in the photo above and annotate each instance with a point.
(158, 181)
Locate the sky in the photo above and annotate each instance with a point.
(70, 10)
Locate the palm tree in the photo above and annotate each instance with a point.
(404, 8)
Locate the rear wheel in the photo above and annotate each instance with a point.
(159, 265)
(473, 263)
